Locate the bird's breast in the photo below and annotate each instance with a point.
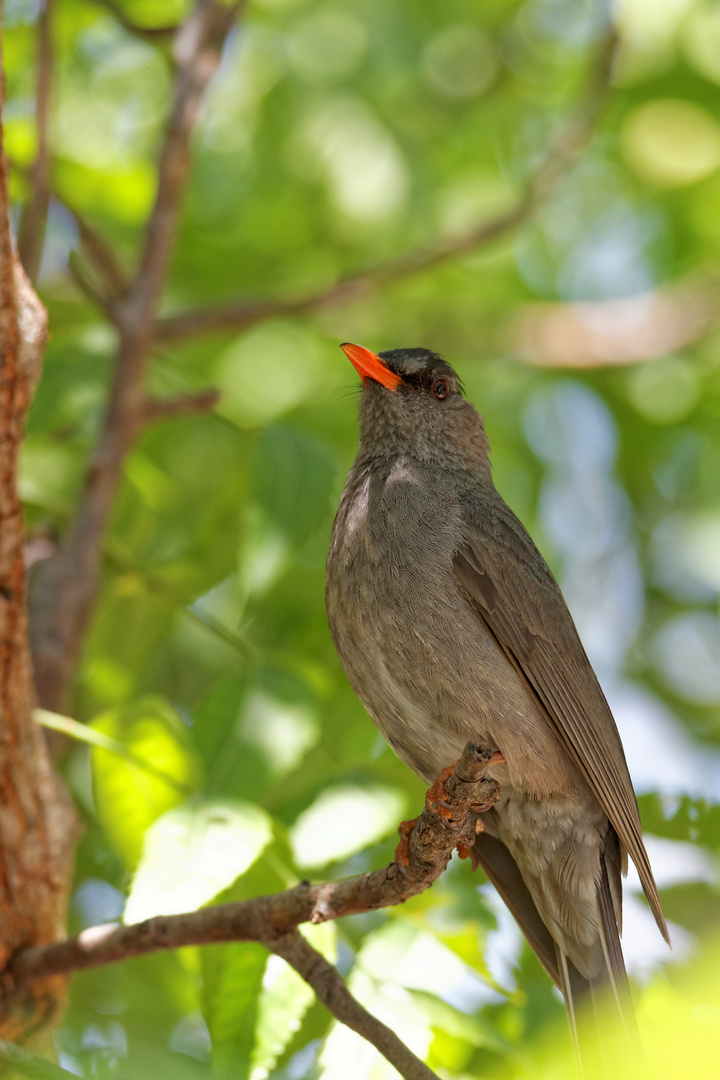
(421, 661)
(392, 547)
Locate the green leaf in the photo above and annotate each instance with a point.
(232, 980)
(344, 819)
(285, 999)
(254, 1006)
(290, 372)
(283, 1003)
(292, 480)
(131, 792)
(85, 733)
(472, 1029)
(192, 853)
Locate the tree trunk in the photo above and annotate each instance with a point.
(37, 823)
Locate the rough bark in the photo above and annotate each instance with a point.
(36, 820)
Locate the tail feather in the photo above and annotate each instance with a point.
(574, 987)
(614, 961)
(608, 991)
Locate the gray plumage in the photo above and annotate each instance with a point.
(451, 627)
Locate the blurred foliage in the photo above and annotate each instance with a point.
(339, 134)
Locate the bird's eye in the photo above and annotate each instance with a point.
(440, 389)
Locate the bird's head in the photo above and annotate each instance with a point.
(412, 403)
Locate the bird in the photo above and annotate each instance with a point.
(450, 627)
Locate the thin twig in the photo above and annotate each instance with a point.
(99, 252)
(27, 1064)
(94, 245)
(335, 996)
(89, 735)
(184, 405)
(154, 34)
(430, 846)
(97, 296)
(31, 234)
(67, 584)
(562, 151)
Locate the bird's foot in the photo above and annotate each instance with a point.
(435, 803)
(402, 857)
(463, 850)
(434, 796)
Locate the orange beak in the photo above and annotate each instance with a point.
(370, 366)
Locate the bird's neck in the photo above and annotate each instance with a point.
(463, 447)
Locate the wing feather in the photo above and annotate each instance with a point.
(511, 589)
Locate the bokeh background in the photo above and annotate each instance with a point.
(337, 136)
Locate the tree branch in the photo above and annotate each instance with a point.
(92, 291)
(31, 234)
(430, 845)
(93, 245)
(335, 996)
(184, 405)
(99, 252)
(562, 151)
(273, 920)
(595, 333)
(66, 585)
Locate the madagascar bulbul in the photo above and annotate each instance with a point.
(451, 627)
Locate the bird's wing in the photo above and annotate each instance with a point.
(511, 589)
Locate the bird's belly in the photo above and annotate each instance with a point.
(432, 676)
(557, 844)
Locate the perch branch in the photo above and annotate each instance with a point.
(563, 150)
(430, 847)
(273, 920)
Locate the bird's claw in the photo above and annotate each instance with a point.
(402, 856)
(435, 802)
(434, 795)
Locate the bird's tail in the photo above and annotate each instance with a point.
(601, 1003)
(592, 1004)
